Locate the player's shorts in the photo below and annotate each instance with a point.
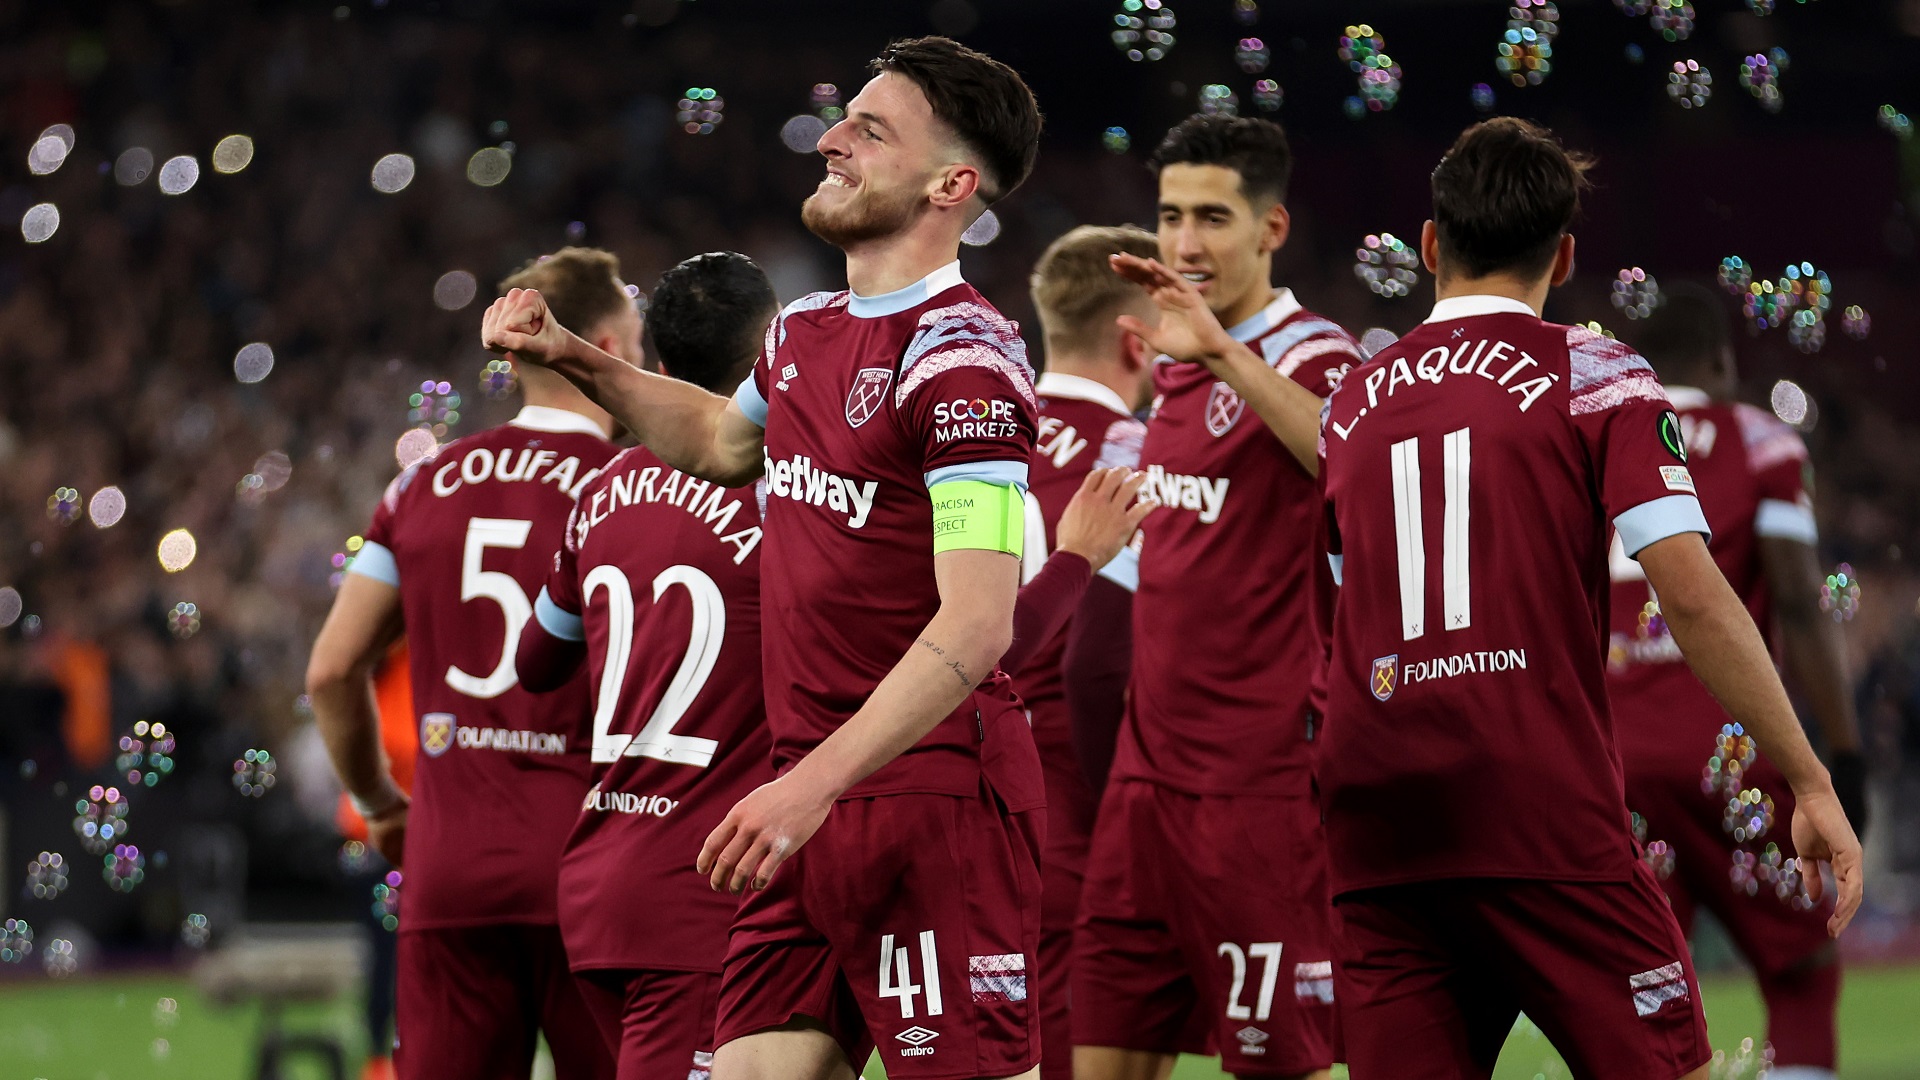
(1432, 976)
(1204, 926)
(1773, 936)
(1063, 868)
(656, 1023)
(471, 999)
(912, 921)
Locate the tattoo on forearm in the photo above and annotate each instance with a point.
(959, 671)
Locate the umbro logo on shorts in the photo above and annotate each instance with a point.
(1652, 989)
(917, 1038)
(1251, 1040)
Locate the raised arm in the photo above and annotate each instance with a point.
(1717, 635)
(1816, 658)
(364, 621)
(695, 431)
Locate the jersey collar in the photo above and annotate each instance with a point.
(1688, 397)
(1466, 307)
(547, 418)
(1278, 311)
(899, 300)
(1059, 384)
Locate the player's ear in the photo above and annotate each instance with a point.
(955, 184)
(1563, 261)
(1430, 247)
(1275, 226)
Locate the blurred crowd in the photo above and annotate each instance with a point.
(119, 332)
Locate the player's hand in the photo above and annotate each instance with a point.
(1188, 329)
(1821, 835)
(387, 833)
(1103, 515)
(759, 833)
(520, 323)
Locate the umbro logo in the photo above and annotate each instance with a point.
(917, 1038)
(787, 374)
(1251, 1040)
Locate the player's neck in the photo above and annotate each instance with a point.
(892, 263)
(1532, 293)
(574, 402)
(1095, 369)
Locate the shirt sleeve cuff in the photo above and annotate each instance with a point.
(1124, 570)
(751, 402)
(1786, 521)
(558, 621)
(1001, 473)
(375, 561)
(1339, 564)
(1036, 543)
(1658, 519)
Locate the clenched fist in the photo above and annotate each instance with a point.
(519, 323)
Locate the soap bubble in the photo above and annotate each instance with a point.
(1689, 85)
(47, 875)
(1217, 99)
(196, 931)
(1267, 95)
(701, 110)
(1386, 264)
(1252, 55)
(253, 773)
(392, 174)
(1379, 76)
(1116, 140)
(1143, 29)
(1636, 293)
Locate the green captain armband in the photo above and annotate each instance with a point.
(977, 516)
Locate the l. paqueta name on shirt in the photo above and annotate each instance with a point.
(1499, 362)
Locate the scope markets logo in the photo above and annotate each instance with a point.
(974, 418)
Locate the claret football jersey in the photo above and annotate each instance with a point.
(868, 402)
(1473, 470)
(1752, 472)
(468, 536)
(1226, 648)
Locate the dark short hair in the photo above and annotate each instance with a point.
(1504, 196)
(1256, 149)
(580, 285)
(984, 101)
(1686, 332)
(707, 318)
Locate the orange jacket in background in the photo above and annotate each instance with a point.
(393, 700)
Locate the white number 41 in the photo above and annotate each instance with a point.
(896, 975)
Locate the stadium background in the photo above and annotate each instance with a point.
(128, 362)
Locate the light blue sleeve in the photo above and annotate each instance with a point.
(375, 561)
(1658, 519)
(558, 621)
(1001, 473)
(751, 402)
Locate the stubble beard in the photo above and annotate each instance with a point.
(866, 217)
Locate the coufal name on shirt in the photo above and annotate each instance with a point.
(1206, 494)
(796, 478)
(479, 465)
(974, 418)
(692, 494)
(1499, 362)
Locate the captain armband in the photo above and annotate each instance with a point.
(974, 515)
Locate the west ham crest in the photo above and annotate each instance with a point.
(1223, 409)
(436, 733)
(869, 390)
(1386, 675)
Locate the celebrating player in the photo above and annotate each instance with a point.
(1753, 478)
(894, 423)
(660, 576)
(458, 547)
(1481, 856)
(1096, 377)
(1210, 784)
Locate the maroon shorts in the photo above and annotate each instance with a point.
(912, 921)
(1432, 976)
(1204, 927)
(1772, 935)
(656, 1023)
(1063, 870)
(470, 1000)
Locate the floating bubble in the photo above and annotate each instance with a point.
(184, 620)
(353, 857)
(1636, 293)
(1252, 55)
(1734, 751)
(1672, 19)
(1747, 816)
(801, 134)
(1246, 12)
(393, 173)
(59, 959)
(414, 446)
(701, 110)
(489, 165)
(176, 550)
(1855, 322)
(124, 868)
(1634, 8)
(454, 290)
(1659, 857)
(1524, 53)
(253, 362)
(16, 941)
(1353, 106)
(1376, 339)
(1143, 29)
(1743, 872)
(10, 607)
(983, 231)
(343, 561)
(1386, 264)
(1483, 97)
(1267, 95)
(39, 223)
(386, 900)
(133, 166)
(1217, 99)
(435, 406)
(1116, 140)
(100, 818)
(1840, 594)
(1650, 623)
(233, 153)
(63, 505)
(1790, 885)
(50, 150)
(147, 750)
(196, 931)
(1897, 122)
(47, 875)
(1634, 53)
(1365, 52)
(253, 773)
(1806, 331)
(179, 174)
(825, 99)
(274, 468)
(107, 507)
(1762, 79)
(1765, 306)
(1789, 402)
(1735, 274)
(498, 379)
(166, 1013)
(161, 1049)
(1689, 85)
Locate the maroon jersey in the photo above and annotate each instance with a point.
(1225, 644)
(660, 576)
(467, 537)
(1752, 473)
(1472, 469)
(867, 403)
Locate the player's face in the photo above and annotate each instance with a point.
(1211, 235)
(882, 160)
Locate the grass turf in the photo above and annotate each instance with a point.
(108, 1029)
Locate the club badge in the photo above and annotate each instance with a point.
(869, 391)
(1223, 409)
(1386, 675)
